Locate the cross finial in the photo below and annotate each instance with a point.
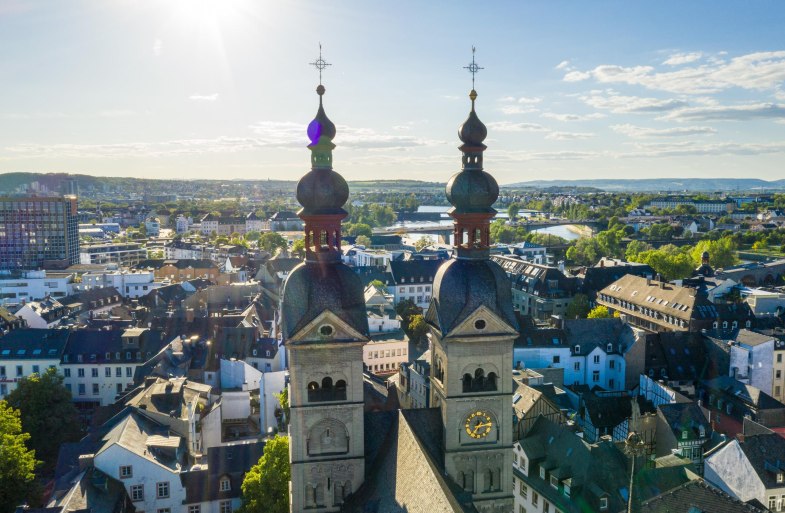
(320, 64)
(473, 67)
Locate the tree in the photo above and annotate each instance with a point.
(422, 243)
(417, 328)
(578, 308)
(599, 312)
(363, 240)
(298, 248)
(722, 252)
(17, 462)
(360, 229)
(47, 413)
(266, 486)
(512, 211)
(271, 241)
(586, 251)
(283, 400)
(252, 236)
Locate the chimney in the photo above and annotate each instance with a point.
(602, 262)
(648, 281)
(740, 437)
(85, 461)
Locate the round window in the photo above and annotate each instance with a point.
(479, 324)
(326, 330)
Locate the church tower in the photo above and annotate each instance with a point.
(324, 327)
(472, 329)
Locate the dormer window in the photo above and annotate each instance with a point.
(226, 484)
(684, 435)
(554, 482)
(577, 349)
(610, 348)
(780, 477)
(724, 324)
(542, 472)
(603, 503)
(715, 324)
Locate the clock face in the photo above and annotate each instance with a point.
(478, 424)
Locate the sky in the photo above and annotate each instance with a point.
(223, 88)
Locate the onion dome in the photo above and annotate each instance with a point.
(472, 191)
(473, 131)
(321, 126)
(322, 190)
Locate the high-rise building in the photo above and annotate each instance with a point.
(38, 232)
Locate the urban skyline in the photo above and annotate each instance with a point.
(207, 89)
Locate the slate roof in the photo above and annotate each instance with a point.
(462, 286)
(680, 354)
(593, 470)
(746, 393)
(695, 497)
(598, 277)
(313, 287)
(766, 454)
(608, 411)
(232, 461)
(182, 263)
(413, 271)
(405, 467)
(687, 417)
(33, 344)
(132, 433)
(98, 343)
(283, 215)
(92, 491)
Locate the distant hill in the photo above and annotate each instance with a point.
(730, 185)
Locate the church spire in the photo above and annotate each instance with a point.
(322, 192)
(472, 192)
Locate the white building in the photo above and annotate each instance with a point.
(128, 284)
(751, 358)
(34, 285)
(126, 254)
(152, 226)
(143, 456)
(764, 302)
(100, 365)
(42, 314)
(591, 351)
(182, 223)
(28, 351)
(389, 345)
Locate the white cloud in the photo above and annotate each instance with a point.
(158, 47)
(759, 71)
(568, 136)
(203, 97)
(516, 109)
(639, 131)
(563, 65)
(616, 103)
(117, 113)
(682, 58)
(529, 100)
(728, 112)
(572, 117)
(507, 126)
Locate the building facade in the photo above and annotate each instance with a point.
(38, 232)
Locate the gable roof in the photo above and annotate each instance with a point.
(405, 471)
(694, 497)
(33, 344)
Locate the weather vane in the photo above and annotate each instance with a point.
(473, 67)
(320, 64)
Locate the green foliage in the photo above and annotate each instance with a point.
(362, 240)
(283, 400)
(669, 261)
(722, 252)
(422, 243)
(379, 284)
(599, 312)
(512, 211)
(47, 413)
(272, 241)
(17, 462)
(417, 328)
(298, 248)
(360, 229)
(578, 308)
(408, 310)
(252, 236)
(266, 486)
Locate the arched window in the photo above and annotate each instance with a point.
(327, 383)
(490, 382)
(467, 382)
(313, 391)
(479, 379)
(340, 390)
